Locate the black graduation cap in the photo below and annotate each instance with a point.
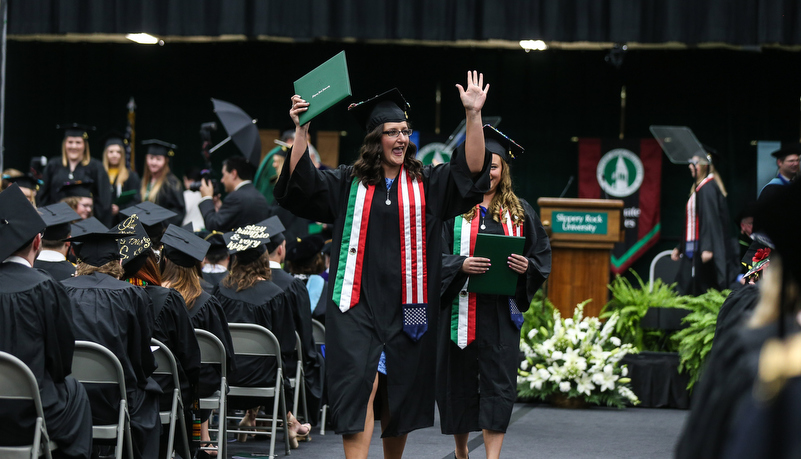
(189, 227)
(76, 130)
(276, 229)
(25, 181)
(497, 142)
(90, 225)
(77, 188)
(133, 246)
(388, 107)
(19, 221)
(57, 217)
(114, 137)
(306, 248)
(215, 238)
(182, 247)
(791, 148)
(160, 148)
(151, 215)
(98, 248)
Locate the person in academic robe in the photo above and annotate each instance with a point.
(479, 334)
(159, 185)
(76, 165)
(28, 184)
(171, 324)
(124, 181)
(787, 160)
(119, 316)
(705, 254)
(183, 251)
(297, 297)
(154, 219)
(305, 261)
(216, 262)
(53, 257)
(36, 327)
(382, 316)
(243, 205)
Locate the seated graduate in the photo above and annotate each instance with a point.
(182, 251)
(216, 262)
(297, 298)
(171, 323)
(53, 257)
(154, 219)
(117, 315)
(306, 261)
(36, 327)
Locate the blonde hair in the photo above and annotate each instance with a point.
(122, 175)
(184, 280)
(504, 198)
(154, 190)
(86, 155)
(707, 169)
(112, 268)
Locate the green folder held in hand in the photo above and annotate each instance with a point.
(324, 86)
(125, 197)
(499, 278)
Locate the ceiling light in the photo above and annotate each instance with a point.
(143, 38)
(537, 45)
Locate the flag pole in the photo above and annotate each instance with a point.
(622, 111)
(130, 136)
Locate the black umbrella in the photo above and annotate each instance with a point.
(241, 128)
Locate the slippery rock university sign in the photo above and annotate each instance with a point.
(622, 169)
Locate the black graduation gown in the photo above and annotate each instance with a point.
(60, 270)
(736, 310)
(356, 338)
(171, 196)
(213, 279)
(36, 327)
(262, 304)
(207, 314)
(297, 298)
(242, 207)
(56, 174)
(477, 385)
(118, 315)
(319, 310)
(714, 236)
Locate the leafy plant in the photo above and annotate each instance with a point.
(632, 303)
(695, 341)
(539, 315)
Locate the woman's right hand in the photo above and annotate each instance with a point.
(298, 106)
(475, 265)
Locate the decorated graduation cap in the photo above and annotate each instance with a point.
(183, 247)
(791, 148)
(250, 242)
(151, 215)
(19, 221)
(157, 147)
(58, 217)
(306, 248)
(215, 238)
(497, 142)
(388, 107)
(101, 247)
(680, 145)
(132, 248)
(24, 181)
(114, 137)
(76, 130)
(77, 188)
(90, 225)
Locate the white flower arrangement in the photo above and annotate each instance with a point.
(580, 359)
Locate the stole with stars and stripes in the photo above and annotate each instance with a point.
(463, 310)
(414, 274)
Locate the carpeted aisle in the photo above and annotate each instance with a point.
(536, 431)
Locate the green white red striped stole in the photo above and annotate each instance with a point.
(463, 310)
(691, 219)
(414, 273)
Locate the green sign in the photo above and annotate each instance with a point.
(579, 222)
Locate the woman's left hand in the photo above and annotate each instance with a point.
(473, 97)
(518, 263)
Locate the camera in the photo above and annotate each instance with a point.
(205, 174)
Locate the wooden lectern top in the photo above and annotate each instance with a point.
(582, 223)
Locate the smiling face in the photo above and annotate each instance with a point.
(114, 155)
(393, 148)
(74, 146)
(788, 166)
(496, 168)
(155, 164)
(84, 208)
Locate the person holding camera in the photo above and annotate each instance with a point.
(242, 206)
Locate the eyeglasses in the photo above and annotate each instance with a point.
(395, 132)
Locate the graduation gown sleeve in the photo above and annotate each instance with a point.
(713, 215)
(537, 249)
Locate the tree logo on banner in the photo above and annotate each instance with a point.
(620, 173)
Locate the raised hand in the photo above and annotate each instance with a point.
(298, 106)
(473, 97)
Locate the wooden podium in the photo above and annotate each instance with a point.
(582, 234)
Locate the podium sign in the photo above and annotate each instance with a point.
(582, 233)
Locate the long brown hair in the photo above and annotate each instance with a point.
(86, 156)
(504, 198)
(184, 280)
(112, 268)
(246, 275)
(122, 174)
(149, 272)
(368, 167)
(154, 190)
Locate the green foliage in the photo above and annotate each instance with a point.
(695, 341)
(631, 303)
(539, 317)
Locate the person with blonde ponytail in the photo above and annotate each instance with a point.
(159, 185)
(479, 334)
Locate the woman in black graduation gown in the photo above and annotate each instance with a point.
(306, 262)
(706, 241)
(159, 185)
(389, 305)
(76, 164)
(182, 251)
(479, 334)
(124, 182)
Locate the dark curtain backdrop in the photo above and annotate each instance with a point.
(740, 22)
(728, 98)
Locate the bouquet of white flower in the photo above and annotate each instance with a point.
(578, 359)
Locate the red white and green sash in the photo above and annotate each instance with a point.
(691, 220)
(414, 274)
(463, 310)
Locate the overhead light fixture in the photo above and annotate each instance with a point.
(536, 45)
(144, 39)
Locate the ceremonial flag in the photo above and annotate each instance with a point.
(130, 136)
(630, 170)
